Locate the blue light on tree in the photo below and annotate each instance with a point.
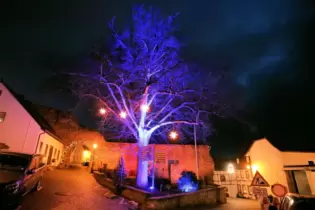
(188, 182)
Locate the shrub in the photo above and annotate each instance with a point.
(188, 182)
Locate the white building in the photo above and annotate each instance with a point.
(293, 169)
(237, 181)
(23, 129)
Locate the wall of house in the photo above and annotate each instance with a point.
(18, 130)
(47, 141)
(237, 182)
(297, 158)
(269, 161)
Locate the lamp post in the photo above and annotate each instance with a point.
(92, 165)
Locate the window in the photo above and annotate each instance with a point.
(40, 147)
(237, 174)
(247, 174)
(249, 190)
(46, 150)
(244, 190)
(242, 174)
(58, 154)
(0, 92)
(222, 178)
(2, 116)
(239, 188)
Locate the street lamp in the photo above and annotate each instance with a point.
(92, 165)
(123, 114)
(173, 135)
(102, 111)
(145, 108)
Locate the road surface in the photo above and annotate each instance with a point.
(71, 189)
(76, 189)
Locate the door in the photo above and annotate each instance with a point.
(51, 149)
(302, 183)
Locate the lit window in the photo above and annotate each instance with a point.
(247, 174)
(2, 116)
(222, 178)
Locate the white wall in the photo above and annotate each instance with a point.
(49, 140)
(269, 161)
(297, 158)
(19, 130)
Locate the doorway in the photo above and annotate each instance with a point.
(301, 179)
(51, 149)
(298, 182)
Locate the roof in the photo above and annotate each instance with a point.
(285, 146)
(30, 108)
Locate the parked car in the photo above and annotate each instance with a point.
(297, 202)
(20, 173)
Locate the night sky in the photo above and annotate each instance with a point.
(265, 45)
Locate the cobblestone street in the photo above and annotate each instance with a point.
(71, 189)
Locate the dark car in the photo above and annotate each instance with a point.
(19, 174)
(298, 202)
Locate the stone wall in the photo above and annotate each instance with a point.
(109, 154)
(207, 196)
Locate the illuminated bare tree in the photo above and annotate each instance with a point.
(144, 89)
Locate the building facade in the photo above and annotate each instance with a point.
(22, 129)
(237, 182)
(293, 169)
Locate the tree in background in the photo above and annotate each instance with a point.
(120, 173)
(144, 89)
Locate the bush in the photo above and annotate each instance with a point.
(120, 175)
(188, 182)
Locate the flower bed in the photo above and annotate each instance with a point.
(212, 195)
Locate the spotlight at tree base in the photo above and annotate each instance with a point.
(173, 135)
(102, 111)
(123, 114)
(145, 108)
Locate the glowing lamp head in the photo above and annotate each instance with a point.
(102, 111)
(230, 168)
(248, 166)
(94, 146)
(145, 108)
(255, 167)
(173, 135)
(123, 114)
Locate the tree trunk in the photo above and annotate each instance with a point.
(142, 172)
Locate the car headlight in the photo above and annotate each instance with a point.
(13, 187)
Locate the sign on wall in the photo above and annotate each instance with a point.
(259, 181)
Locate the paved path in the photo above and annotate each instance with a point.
(71, 189)
(76, 189)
